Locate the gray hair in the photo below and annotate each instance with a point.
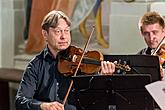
(52, 18)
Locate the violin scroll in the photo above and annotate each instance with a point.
(123, 67)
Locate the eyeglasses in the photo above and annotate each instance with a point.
(58, 31)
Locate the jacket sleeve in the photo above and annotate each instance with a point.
(24, 97)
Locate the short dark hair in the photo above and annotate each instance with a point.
(52, 18)
(151, 18)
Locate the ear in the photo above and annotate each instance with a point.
(45, 34)
(163, 31)
(141, 30)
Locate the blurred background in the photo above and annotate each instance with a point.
(115, 21)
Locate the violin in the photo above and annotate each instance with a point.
(161, 54)
(160, 51)
(90, 64)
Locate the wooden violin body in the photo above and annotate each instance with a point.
(91, 62)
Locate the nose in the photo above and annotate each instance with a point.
(62, 34)
(151, 36)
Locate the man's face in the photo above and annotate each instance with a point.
(153, 34)
(59, 38)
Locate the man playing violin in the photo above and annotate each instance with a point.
(42, 86)
(152, 28)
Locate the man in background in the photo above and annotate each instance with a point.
(152, 28)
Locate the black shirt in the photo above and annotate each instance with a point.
(145, 51)
(42, 82)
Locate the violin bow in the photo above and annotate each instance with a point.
(75, 73)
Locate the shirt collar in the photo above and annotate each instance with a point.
(148, 51)
(47, 53)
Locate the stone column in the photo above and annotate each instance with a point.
(6, 33)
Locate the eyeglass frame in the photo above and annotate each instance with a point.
(59, 31)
